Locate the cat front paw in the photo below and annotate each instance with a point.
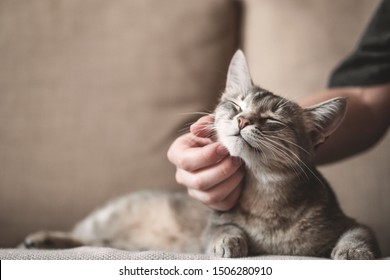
(51, 240)
(227, 246)
(38, 240)
(352, 253)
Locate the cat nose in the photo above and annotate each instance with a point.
(243, 122)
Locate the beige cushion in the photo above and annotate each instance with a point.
(91, 95)
(95, 253)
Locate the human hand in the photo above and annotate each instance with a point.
(205, 167)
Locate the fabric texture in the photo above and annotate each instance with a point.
(369, 63)
(92, 253)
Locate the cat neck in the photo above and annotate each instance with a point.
(266, 188)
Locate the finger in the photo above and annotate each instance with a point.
(203, 127)
(218, 196)
(229, 202)
(192, 157)
(207, 178)
(182, 144)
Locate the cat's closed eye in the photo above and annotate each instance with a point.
(272, 124)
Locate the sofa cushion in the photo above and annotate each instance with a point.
(91, 95)
(97, 253)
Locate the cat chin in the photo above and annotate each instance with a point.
(236, 146)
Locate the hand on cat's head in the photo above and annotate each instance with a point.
(205, 167)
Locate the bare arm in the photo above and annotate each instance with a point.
(366, 121)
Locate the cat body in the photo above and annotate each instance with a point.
(286, 206)
(309, 225)
(169, 221)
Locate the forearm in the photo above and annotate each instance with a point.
(366, 120)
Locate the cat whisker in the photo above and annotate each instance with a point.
(285, 153)
(289, 154)
(198, 113)
(289, 142)
(185, 129)
(208, 128)
(294, 164)
(301, 161)
(261, 153)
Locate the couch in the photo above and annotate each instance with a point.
(93, 92)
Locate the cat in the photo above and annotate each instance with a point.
(286, 206)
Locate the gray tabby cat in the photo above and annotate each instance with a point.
(286, 207)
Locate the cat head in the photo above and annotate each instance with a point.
(266, 129)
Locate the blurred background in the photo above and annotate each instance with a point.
(93, 92)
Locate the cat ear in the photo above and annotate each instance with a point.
(238, 77)
(325, 118)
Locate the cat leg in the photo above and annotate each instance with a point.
(51, 240)
(226, 241)
(358, 243)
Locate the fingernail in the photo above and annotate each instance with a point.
(222, 151)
